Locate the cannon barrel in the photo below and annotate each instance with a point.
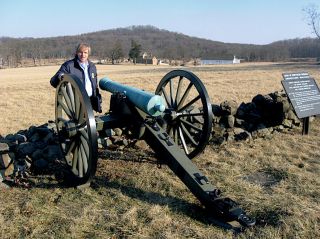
(153, 105)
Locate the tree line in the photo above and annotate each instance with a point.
(117, 44)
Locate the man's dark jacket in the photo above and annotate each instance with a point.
(73, 67)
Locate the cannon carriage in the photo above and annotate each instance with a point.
(176, 123)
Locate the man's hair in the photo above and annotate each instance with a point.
(83, 45)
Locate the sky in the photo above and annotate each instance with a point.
(233, 21)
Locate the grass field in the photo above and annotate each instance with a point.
(131, 198)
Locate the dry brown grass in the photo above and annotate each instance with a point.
(132, 198)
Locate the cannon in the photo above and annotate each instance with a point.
(176, 123)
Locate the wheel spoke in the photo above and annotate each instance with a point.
(166, 97)
(185, 94)
(75, 161)
(183, 141)
(78, 106)
(189, 103)
(71, 148)
(67, 100)
(69, 153)
(65, 108)
(84, 133)
(85, 146)
(190, 114)
(186, 132)
(178, 91)
(190, 125)
(171, 92)
(80, 162)
(175, 133)
(84, 158)
(61, 119)
(81, 117)
(71, 95)
(170, 130)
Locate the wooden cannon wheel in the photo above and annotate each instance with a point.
(188, 115)
(77, 130)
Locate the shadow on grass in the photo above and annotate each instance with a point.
(271, 217)
(175, 204)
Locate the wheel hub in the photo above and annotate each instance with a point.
(70, 129)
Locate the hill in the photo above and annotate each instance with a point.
(158, 42)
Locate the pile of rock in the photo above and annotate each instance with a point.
(36, 146)
(261, 117)
(37, 149)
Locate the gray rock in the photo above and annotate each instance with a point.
(231, 120)
(287, 123)
(245, 135)
(141, 144)
(292, 116)
(216, 110)
(107, 142)
(4, 148)
(216, 130)
(262, 133)
(229, 107)
(51, 152)
(100, 143)
(49, 138)
(40, 164)
(25, 149)
(239, 123)
(6, 166)
(52, 126)
(34, 137)
(218, 135)
(10, 137)
(227, 121)
(36, 155)
(109, 132)
(125, 142)
(230, 137)
(20, 138)
(117, 140)
(43, 131)
(32, 129)
(117, 131)
(238, 130)
(279, 128)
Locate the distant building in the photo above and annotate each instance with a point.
(147, 59)
(235, 60)
(220, 62)
(146, 55)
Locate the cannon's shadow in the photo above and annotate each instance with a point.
(53, 177)
(175, 204)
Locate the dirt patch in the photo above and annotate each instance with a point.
(267, 177)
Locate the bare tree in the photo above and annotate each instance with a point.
(313, 18)
(116, 52)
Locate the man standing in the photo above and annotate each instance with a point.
(85, 70)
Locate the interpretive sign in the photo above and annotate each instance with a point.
(303, 93)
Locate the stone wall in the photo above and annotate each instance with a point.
(261, 117)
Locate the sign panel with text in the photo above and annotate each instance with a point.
(303, 93)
